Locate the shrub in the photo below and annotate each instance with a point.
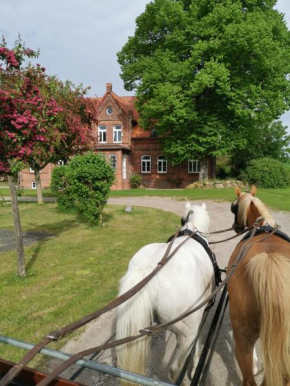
(89, 179)
(83, 184)
(267, 173)
(135, 181)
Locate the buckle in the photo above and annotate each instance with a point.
(151, 331)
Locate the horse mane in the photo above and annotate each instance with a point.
(244, 208)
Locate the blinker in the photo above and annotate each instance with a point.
(185, 220)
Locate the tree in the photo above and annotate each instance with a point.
(42, 120)
(53, 118)
(267, 141)
(66, 117)
(11, 151)
(208, 73)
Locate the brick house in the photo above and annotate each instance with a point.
(130, 149)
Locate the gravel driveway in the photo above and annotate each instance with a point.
(224, 369)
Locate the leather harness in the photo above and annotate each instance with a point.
(267, 229)
(201, 240)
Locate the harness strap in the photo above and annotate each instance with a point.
(267, 229)
(200, 240)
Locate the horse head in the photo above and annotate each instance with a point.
(196, 217)
(248, 210)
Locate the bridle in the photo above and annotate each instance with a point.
(235, 210)
(186, 219)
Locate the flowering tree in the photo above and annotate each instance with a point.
(42, 119)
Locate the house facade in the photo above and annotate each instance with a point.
(130, 149)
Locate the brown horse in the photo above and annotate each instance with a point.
(259, 294)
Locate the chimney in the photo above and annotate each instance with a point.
(108, 87)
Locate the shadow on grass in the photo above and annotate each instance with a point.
(36, 252)
(53, 229)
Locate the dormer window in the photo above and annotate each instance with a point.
(109, 110)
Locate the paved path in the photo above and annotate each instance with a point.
(224, 369)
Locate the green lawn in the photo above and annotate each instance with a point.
(73, 273)
(277, 199)
(25, 193)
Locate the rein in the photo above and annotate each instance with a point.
(230, 238)
(154, 330)
(221, 231)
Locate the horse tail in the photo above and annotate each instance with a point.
(132, 316)
(270, 277)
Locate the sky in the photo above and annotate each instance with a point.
(79, 39)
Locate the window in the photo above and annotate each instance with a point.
(33, 185)
(102, 134)
(60, 163)
(117, 134)
(161, 164)
(113, 161)
(146, 164)
(193, 166)
(109, 110)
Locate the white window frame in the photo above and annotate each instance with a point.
(161, 164)
(117, 134)
(113, 161)
(33, 185)
(102, 134)
(193, 166)
(146, 161)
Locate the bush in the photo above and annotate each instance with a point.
(135, 181)
(267, 173)
(84, 184)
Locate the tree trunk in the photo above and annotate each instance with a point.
(203, 171)
(38, 187)
(17, 227)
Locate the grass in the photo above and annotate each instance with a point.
(73, 273)
(277, 199)
(26, 192)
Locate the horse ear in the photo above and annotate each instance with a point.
(253, 190)
(203, 205)
(187, 205)
(237, 191)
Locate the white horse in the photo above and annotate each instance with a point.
(184, 282)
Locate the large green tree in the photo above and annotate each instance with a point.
(208, 73)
